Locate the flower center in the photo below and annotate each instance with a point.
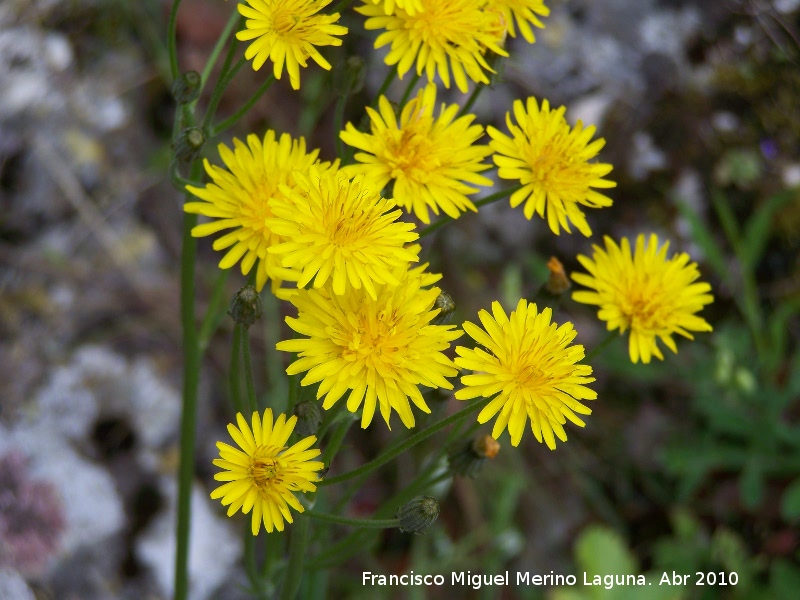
(263, 468)
(283, 21)
(411, 154)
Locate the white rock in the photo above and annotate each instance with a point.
(13, 586)
(214, 547)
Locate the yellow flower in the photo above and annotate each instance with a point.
(531, 368)
(341, 229)
(525, 12)
(551, 161)
(380, 349)
(238, 200)
(288, 31)
(410, 6)
(263, 475)
(645, 292)
(430, 159)
(457, 32)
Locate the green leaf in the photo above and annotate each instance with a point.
(705, 239)
(751, 484)
(790, 502)
(601, 551)
(758, 228)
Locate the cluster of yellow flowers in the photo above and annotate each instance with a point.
(331, 240)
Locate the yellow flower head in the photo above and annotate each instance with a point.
(531, 368)
(288, 31)
(454, 32)
(238, 198)
(524, 12)
(380, 349)
(410, 6)
(264, 473)
(340, 229)
(645, 292)
(431, 160)
(551, 161)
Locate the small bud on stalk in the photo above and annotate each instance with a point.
(246, 306)
(418, 514)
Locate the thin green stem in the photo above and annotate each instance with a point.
(191, 377)
(172, 41)
(471, 100)
(233, 372)
(233, 20)
(248, 370)
(297, 555)
(338, 124)
(219, 90)
(214, 312)
(610, 336)
(250, 556)
(445, 219)
(234, 118)
(341, 6)
(333, 445)
(384, 86)
(361, 523)
(409, 89)
(403, 445)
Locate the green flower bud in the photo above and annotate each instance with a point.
(246, 306)
(418, 514)
(186, 88)
(309, 418)
(189, 144)
(348, 77)
(447, 305)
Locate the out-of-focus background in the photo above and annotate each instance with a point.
(690, 465)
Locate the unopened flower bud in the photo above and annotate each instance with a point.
(246, 306)
(447, 305)
(189, 144)
(418, 514)
(348, 77)
(186, 88)
(558, 283)
(309, 418)
(470, 458)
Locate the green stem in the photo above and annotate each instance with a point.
(191, 377)
(445, 219)
(403, 445)
(233, 372)
(361, 523)
(219, 90)
(341, 6)
(248, 369)
(233, 20)
(172, 40)
(409, 89)
(610, 336)
(273, 358)
(214, 312)
(234, 118)
(384, 86)
(333, 445)
(472, 97)
(297, 555)
(338, 124)
(250, 556)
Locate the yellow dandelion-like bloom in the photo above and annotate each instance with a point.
(551, 161)
(380, 349)
(445, 35)
(238, 198)
(288, 32)
(341, 229)
(410, 6)
(430, 159)
(653, 296)
(529, 364)
(263, 475)
(524, 12)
